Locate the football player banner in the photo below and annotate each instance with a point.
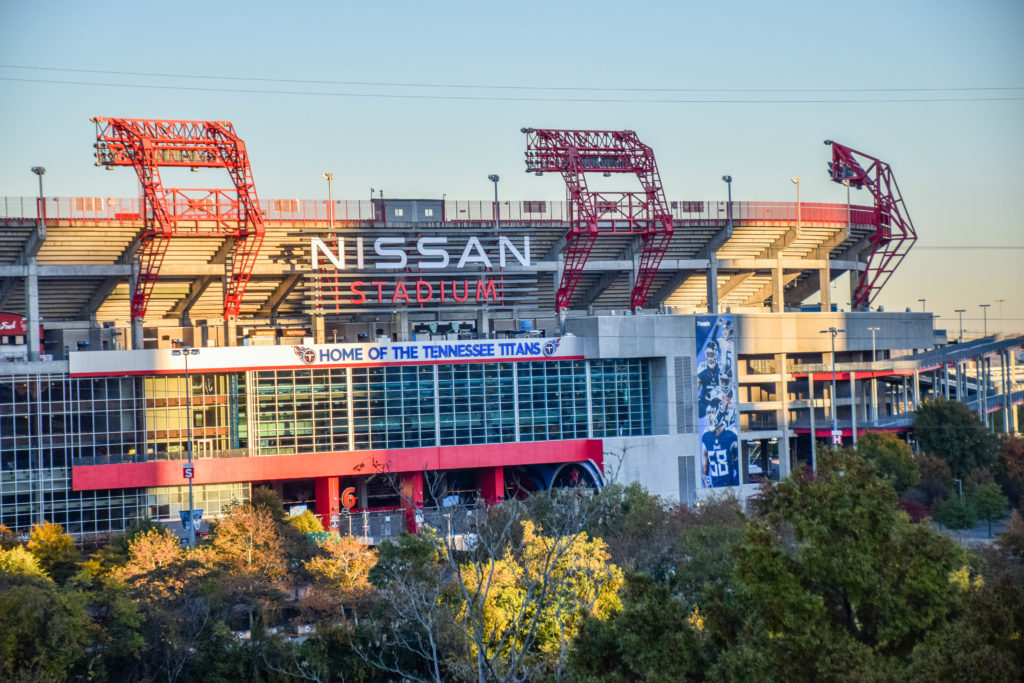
(718, 427)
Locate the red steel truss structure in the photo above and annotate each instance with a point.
(646, 214)
(895, 233)
(170, 213)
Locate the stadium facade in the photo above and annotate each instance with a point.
(386, 359)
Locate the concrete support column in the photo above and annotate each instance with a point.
(778, 284)
(945, 380)
(825, 286)
(319, 329)
(814, 434)
(231, 332)
(782, 414)
(712, 283)
(1012, 373)
(492, 484)
(906, 396)
(874, 400)
(483, 322)
(411, 490)
(853, 406)
(362, 490)
(917, 390)
(328, 499)
(32, 309)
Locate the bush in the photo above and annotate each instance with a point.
(307, 523)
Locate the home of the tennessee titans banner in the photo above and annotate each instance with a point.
(716, 402)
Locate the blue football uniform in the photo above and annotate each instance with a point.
(708, 378)
(722, 458)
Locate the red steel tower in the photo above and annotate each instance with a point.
(574, 153)
(170, 213)
(894, 234)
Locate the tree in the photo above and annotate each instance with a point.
(949, 430)
(892, 457)
(55, 551)
(344, 564)
(19, 561)
(654, 637)
(990, 504)
(1011, 468)
(834, 580)
(956, 513)
(307, 523)
(44, 633)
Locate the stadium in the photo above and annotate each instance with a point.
(381, 360)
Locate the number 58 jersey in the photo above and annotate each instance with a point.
(722, 453)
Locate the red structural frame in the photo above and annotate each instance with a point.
(895, 233)
(314, 465)
(575, 153)
(147, 145)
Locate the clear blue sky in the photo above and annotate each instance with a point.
(958, 162)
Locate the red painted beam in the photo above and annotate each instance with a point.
(346, 463)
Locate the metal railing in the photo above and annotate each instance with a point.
(454, 211)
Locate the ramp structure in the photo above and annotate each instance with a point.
(170, 213)
(894, 234)
(646, 214)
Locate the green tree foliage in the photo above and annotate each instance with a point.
(44, 633)
(835, 580)
(892, 458)
(654, 637)
(55, 551)
(1010, 471)
(989, 503)
(21, 562)
(949, 430)
(307, 523)
(956, 513)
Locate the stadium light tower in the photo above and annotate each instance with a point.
(728, 206)
(186, 351)
(923, 301)
(833, 331)
(494, 179)
(31, 283)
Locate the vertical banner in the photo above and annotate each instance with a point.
(718, 423)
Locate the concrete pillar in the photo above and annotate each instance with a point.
(137, 335)
(825, 286)
(782, 415)
(906, 396)
(483, 322)
(853, 406)
(1011, 357)
(492, 484)
(814, 434)
(945, 380)
(778, 298)
(712, 283)
(328, 499)
(917, 390)
(411, 491)
(362, 490)
(32, 309)
(319, 330)
(231, 332)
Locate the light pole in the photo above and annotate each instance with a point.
(846, 182)
(922, 304)
(984, 310)
(796, 181)
(874, 380)
(329, 177)
(494, 179)
(32, 281)
(961, 311)
(1000, 302)
(728, 206)
(187, 351)
(833, 331)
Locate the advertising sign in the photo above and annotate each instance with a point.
(718, 424)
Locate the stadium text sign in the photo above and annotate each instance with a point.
(429, 255)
